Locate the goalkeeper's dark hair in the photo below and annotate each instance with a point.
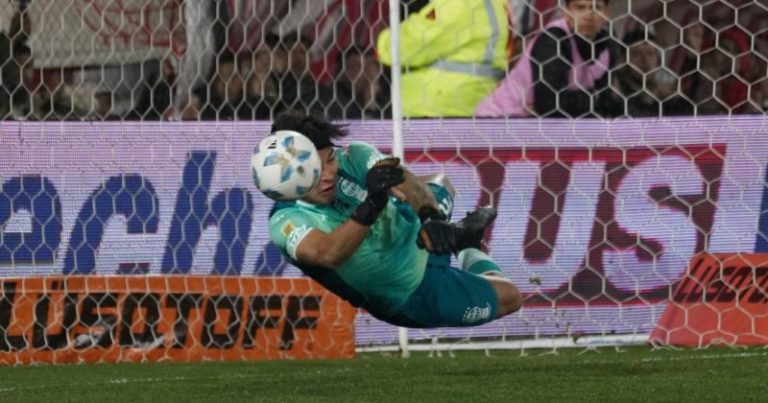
(319, 130)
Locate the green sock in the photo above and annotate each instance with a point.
(477, 262)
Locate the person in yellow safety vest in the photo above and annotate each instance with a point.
(453, 53)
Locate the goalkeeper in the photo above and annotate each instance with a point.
(379, 237)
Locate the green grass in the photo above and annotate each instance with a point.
(569, 375)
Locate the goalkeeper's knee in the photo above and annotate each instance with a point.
(478, 262)
(510, 299)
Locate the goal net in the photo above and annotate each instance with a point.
(629, 170)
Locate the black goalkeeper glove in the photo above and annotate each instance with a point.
(382, 176)
(438, 237)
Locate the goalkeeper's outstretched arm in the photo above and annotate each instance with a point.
(332, 249)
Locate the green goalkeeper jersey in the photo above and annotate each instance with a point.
(387, 267)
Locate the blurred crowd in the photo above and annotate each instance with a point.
(576, 58)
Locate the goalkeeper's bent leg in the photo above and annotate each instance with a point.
(509, 297)
(478, 262)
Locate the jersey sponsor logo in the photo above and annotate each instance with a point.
(294, 238)
(287, 228)
(476, 314)
(352, 189)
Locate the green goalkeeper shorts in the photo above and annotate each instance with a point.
(447, 297)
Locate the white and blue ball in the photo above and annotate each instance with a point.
(285, 165)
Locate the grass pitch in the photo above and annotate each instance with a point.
(567, 375)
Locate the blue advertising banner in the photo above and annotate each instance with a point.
(598, 219)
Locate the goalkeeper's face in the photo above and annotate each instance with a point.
(324, 191)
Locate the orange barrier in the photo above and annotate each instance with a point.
(178, 318)
(722, 299)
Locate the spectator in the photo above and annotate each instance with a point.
(57, 96)
(722, 84)
(263, 84)
(297, 88)
(226, 91)
(726, 74)
(193, 106)
(453, 54)
(58, 87)
(759, 96)
(49, 100)
(15, 63)
(18, 79)
(684, 60)
(648, 89)
(565, 72)
(278, 78)
(361, 88)
(157, 96)
(8, 73)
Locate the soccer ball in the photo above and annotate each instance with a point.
(285, 165)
